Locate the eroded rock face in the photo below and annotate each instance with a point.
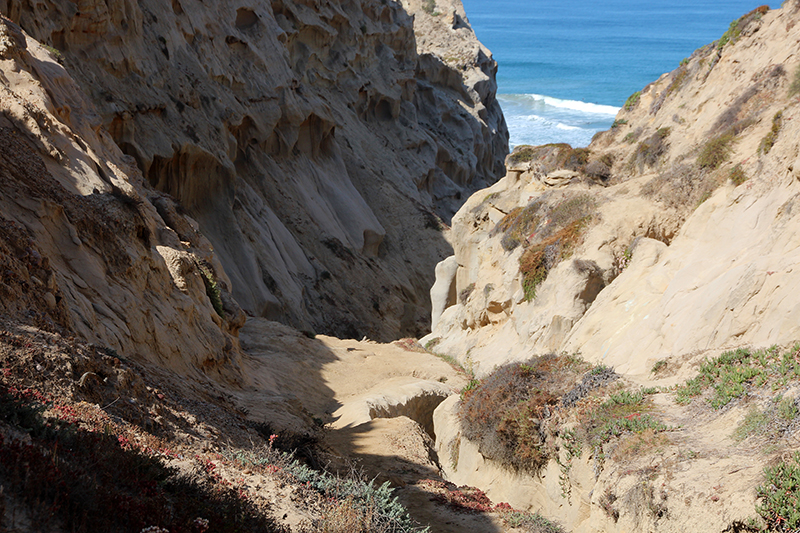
(312, 141)
(84, 247)
(693, 233)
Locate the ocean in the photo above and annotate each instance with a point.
(566, 67)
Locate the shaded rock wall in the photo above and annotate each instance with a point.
(312, 141)
(87, 247)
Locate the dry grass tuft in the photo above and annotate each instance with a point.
(548, 233)
(649, 151)
(505, 412)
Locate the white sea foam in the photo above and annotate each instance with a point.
(575, 105)
(538, 119)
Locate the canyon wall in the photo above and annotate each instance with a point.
(319, 145)
(673, 238)
(687, 231)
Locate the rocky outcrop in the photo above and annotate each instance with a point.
(317, 144)
(692, 235)
(87, 248)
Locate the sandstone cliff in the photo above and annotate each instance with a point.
(317, 144)
(119, 320)
(88, 248)
(671, 239)
(687, 238)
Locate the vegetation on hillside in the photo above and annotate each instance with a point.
(92, 442)
(517, 413)
(548, 232)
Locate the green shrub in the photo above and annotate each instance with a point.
(770, 138)
(632, 100)
(631, 137)
(658, 366)
(734, 372)
(737, 175)
(787, 408)
(621, 413)
(650, 150)
(505, 412)
(548, 233)
(794, 87)
(779, 495)
(551, 156)
(556, 241)
(212, 289)
(738, 26)
(429, 6)
(730, 35)
(716, 151)
(529, 522)
(684, 393)
(753, 423)
(521, 154)
(677, 79)
(55, 53)
(431, 344)
(626, 398)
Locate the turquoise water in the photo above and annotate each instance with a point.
(566, 67)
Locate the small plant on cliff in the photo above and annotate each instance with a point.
(780, 494)
(737, 175)
(556, 241)
(464, 295)
(55, 53)
(431, 344)
(621, 413)
(529, 522)
(658, 366)
(770, 138)
(738, 26)
(571, 446)
(521, 154)
(632, 100)
(753, 423)
(650, 150)
(734, 373)
(794, 87)
(716, 151)
(429, 7)
(212, 289)
(730, 35)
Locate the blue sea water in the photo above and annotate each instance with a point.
(565, 67)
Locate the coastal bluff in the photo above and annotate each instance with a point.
(268, 266)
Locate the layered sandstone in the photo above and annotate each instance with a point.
(710, 259)
(689, 248)
(317, 144)
(88, 248)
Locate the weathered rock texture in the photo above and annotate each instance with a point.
(87, 248)
(711, 257)
(313, 141)
(691, 248)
